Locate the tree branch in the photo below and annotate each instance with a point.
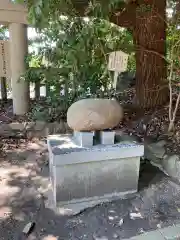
(125, 17)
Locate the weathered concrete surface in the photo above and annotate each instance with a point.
(156, 205)
(91, 175)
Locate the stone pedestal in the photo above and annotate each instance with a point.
(84, 139)
(107, 137)
(83, 177)
(18, 52)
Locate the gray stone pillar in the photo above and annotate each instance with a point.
(18, 52)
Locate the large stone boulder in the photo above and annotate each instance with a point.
(94, 114)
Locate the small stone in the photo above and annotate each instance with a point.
(141, 230)
(97, 237)
(28, 228)
(171, 165)
(17, 126)
(135, 215)
(50, 237)
(111, 218)
(100, 238)
(155, 151)
(29, 125)
(161, 143)
(159, 225)
(39, 125)
(120, 223)
(115, 236)
(5, 130)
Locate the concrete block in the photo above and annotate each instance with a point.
(84, 139)
(16, 126)
(83, 177)
(107, 137)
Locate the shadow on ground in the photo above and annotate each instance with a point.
(24, 180)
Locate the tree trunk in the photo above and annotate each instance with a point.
(149, 38)
(149, 33)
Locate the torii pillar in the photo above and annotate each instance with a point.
(15, 15)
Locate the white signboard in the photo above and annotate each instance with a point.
(4, 59)
(118, 61)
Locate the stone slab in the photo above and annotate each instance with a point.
(71, 153)
(154, 235)
(171, 233)
(37, 129)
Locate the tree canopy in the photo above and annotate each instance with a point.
(79, 48)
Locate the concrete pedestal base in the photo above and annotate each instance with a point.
(83, 177)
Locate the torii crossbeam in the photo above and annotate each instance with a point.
(12, 12)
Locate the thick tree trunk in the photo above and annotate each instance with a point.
(149, 27)
(149, 38)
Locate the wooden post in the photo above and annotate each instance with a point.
(48, 90)
(37, 90)
(116, 74)
(3, 89)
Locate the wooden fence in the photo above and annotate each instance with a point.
(34, 89)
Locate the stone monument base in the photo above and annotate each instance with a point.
(82, 177)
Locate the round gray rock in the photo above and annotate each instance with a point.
(94, 114)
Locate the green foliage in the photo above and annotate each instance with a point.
(73, 51)
(51, 109)
(74, 59)
(41, 12)
(173, 50)
(131, 62)
(3, 32)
